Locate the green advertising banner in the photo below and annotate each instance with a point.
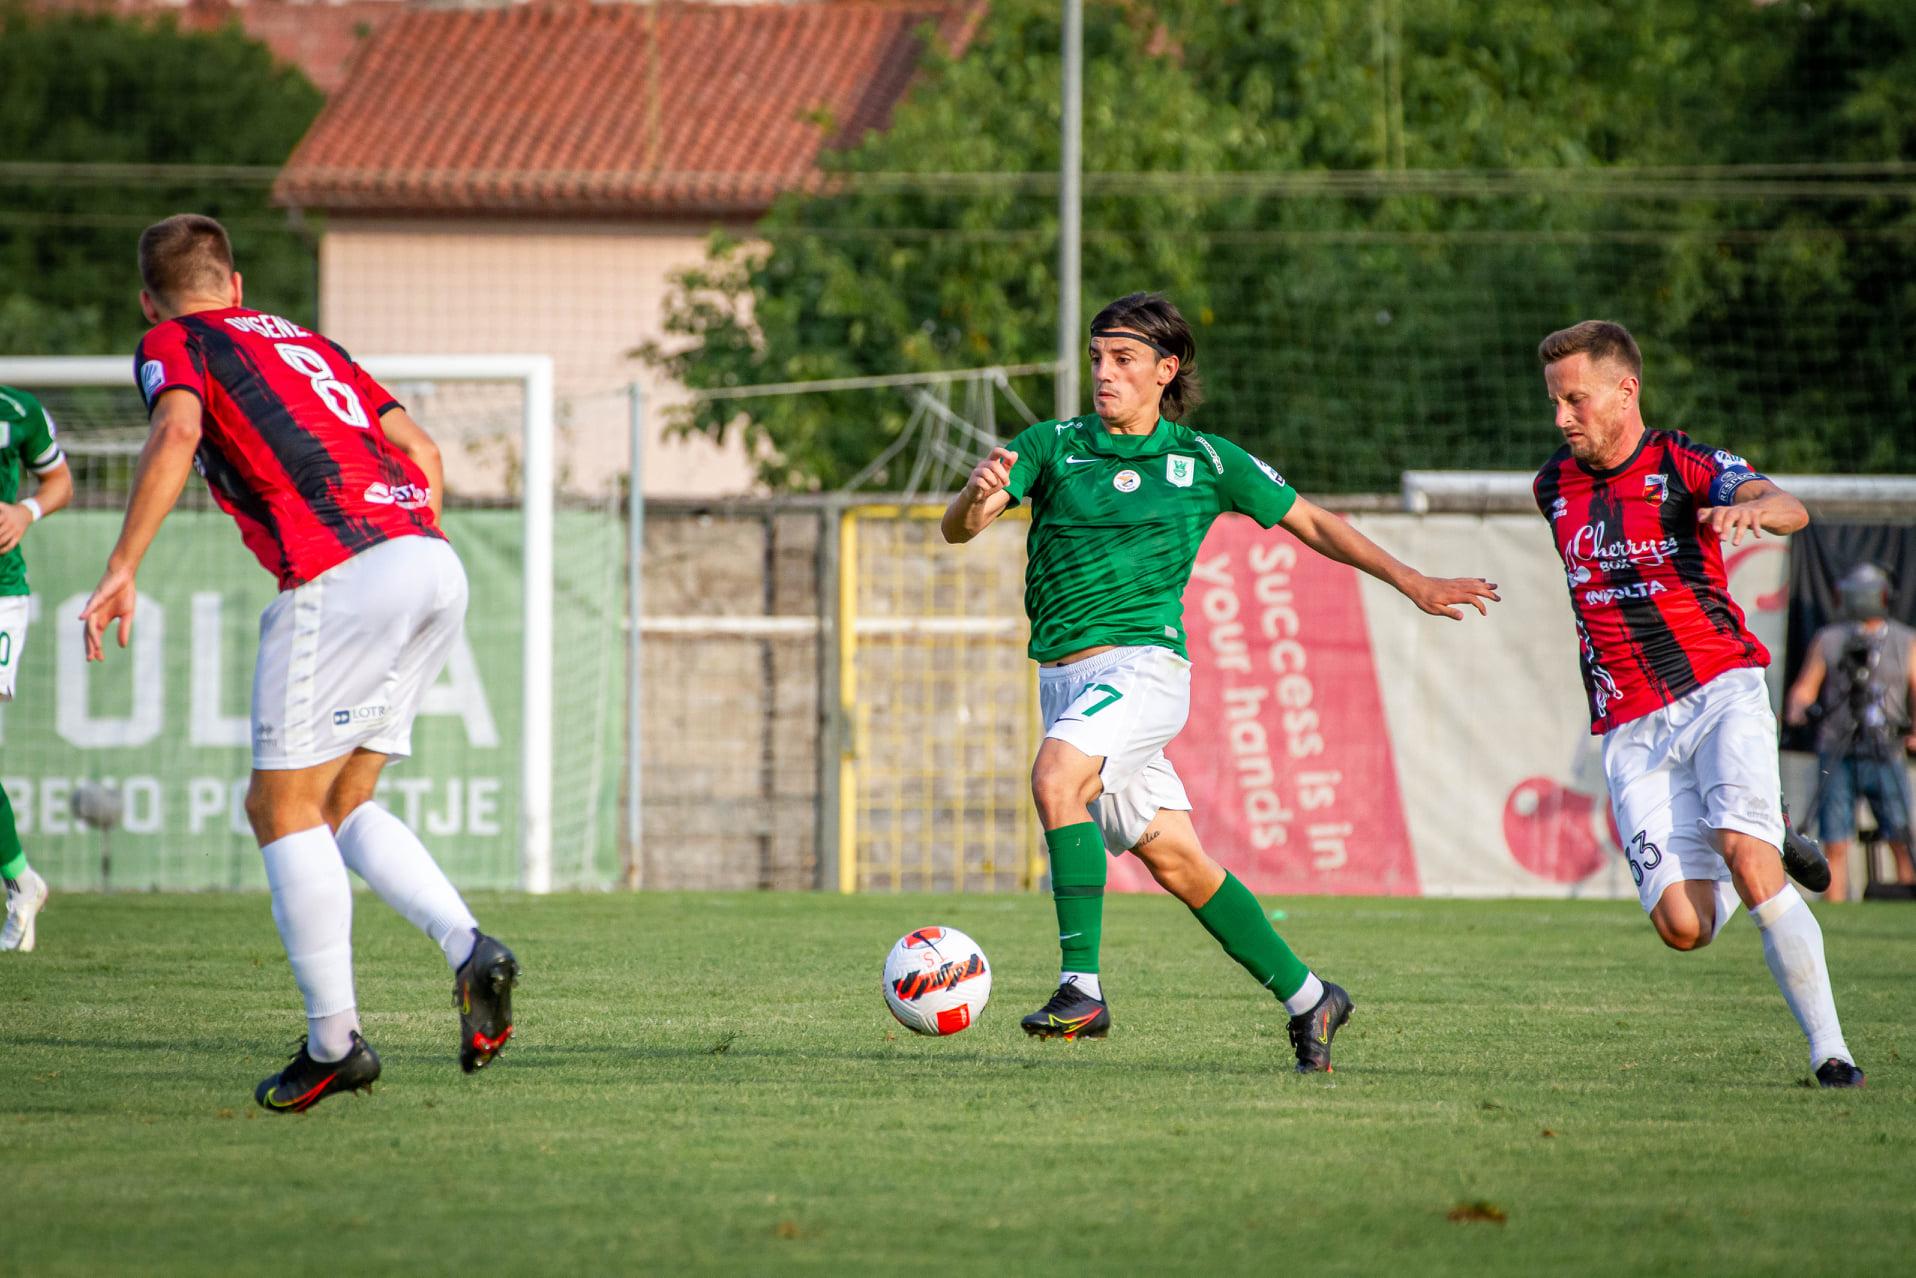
(164, 723)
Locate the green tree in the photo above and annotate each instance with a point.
(1371, 213)
(91, 89)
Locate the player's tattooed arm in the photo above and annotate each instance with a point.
(165, 462)
(1758, 507)
(982, 499)
(1334, 538)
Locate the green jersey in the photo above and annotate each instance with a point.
(27, 442)
(1116, 521)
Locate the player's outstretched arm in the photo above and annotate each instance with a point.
(1759, 507)
(982, 499)
(410, 438)
(1334, 538)
(165, 462)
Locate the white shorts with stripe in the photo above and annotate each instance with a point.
(13, 639)
(1704, 762)
(346, 658)
(1125, 705)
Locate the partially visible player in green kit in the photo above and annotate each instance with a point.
(27, 443)
(1120, 501)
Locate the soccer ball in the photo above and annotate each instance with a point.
(936, 980)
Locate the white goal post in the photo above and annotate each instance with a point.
(533, 373)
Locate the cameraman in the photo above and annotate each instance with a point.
(1857, 681)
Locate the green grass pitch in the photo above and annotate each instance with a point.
(711, 1083)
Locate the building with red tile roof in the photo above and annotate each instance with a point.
(609, 109)
(531, 177)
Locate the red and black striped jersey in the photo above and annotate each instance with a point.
(290, 441)
(1652, 602)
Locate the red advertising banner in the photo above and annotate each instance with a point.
(1287, 754)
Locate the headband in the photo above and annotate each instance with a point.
(1136, 337)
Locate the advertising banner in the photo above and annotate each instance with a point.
(1342, 741)
(164, 722)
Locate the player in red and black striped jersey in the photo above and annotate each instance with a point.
(1651, 598)
(312, 458)
(1673, 674)
(336, 492)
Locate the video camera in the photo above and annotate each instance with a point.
(1871, 734)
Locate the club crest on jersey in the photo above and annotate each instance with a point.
(1656, 488)
(1179, 470)
(1126, 481)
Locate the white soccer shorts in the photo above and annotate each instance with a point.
(1126, 705)
(345, 659)
(1704, 762)
(13, 640)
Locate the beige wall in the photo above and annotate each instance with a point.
(585, 295)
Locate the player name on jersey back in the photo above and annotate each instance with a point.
(290, 441)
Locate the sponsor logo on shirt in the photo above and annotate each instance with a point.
(1591, 544)
(1269, 473)
(1615, 594)
(1559, 508)
(1730, 460)
(405, 496)
(1079, 461)
(1217, 463)
(152, 377)
(1126, 481)
(1180, 470)
(1656, 488)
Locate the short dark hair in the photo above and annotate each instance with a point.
(1599, 339)
(1153, 316)
(184, 255)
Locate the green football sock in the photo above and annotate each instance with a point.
(1077, 890)
(1239, 923)
(12, 859)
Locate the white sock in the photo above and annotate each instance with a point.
(1086, 981)
(1306, 997)
(382, 850)
(313, 909)
(1793, 947)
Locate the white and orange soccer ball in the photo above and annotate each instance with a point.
(936, 980)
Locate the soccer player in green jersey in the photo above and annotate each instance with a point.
(27, 442)
(1120, 501)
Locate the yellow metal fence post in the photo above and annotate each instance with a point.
(848, 797)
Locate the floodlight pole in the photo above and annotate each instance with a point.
(1070, 173)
